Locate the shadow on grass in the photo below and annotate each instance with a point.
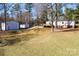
(16, 39)
(13, 41)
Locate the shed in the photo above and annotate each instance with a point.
(10, 25)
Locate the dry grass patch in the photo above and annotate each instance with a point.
(45, 43)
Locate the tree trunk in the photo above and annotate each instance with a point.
(5, 14)
(52, 27)
(56, 15)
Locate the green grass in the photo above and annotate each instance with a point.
(45, 44)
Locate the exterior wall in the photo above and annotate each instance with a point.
(60, 23)
(72, 23)
(48, 23)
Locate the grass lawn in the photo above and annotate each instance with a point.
(44, 43)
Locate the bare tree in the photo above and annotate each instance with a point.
(41, 10)
(55, 14)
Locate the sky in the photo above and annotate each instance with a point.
(34, 14)
(69, 6)
(39, 1)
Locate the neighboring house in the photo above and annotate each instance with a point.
(61, 24)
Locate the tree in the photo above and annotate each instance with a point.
(17, 11)
(28, 7)
(41, 11)
(76, 12)
(70, 14)
(56, 12)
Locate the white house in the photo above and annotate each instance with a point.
(61, 24)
